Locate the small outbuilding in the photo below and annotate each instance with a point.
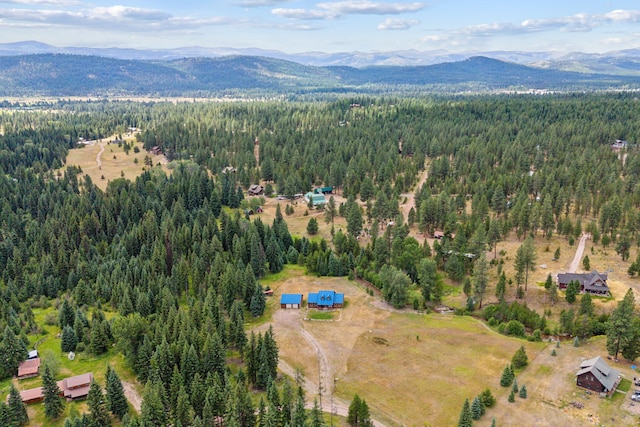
(596, 375)
(325, 300)
(291, 301)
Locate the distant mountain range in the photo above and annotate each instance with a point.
(623, 62)
(65, 74)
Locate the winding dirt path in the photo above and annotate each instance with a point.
(411, 196)
(132, 396)
(573, 267)
(98, 157)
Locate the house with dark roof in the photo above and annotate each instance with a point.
(256, 190)
(325, 300)
(28, 368)
(596, 375)
(594, 283)
(291, 301)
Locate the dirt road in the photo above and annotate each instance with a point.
(132, 396)
(411, 196)
(573, 267)
(98, 157)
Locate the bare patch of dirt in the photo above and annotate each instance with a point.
(132, 396)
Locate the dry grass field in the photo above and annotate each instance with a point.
(105, 161)
(416, 370)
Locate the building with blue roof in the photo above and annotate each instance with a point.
(325, 300)
(291, 301)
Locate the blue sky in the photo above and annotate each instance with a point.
(328, 25)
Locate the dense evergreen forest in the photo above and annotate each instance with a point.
(181, 267)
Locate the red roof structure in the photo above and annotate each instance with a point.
(72, 388)
(28, 368)
(33, 395)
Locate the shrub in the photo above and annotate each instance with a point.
(515, 328)
(520, 359)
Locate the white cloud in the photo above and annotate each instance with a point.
(397, 24)
(335, 10)
(581, 22)
(304, 14)
(365, 7)
(126, 13)
(261, 3)
(41, 2)
(122, 17)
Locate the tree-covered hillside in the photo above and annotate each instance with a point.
(177, 265)
(251, 76)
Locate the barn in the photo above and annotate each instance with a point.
(291, 301)
(325, 300)
(596, 375)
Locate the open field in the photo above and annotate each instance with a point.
(417, 370)
(105, 161)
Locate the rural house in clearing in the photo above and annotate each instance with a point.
(596, 375)
(28, 368)
(291, 301)
(325, 300)
(594, 283)
(256, 190)
(72, 388)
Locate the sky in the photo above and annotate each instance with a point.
(296, 26)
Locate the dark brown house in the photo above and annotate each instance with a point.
(594, 283)
(596, 375)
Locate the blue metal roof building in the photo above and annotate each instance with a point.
(325, 299)
(291, 301)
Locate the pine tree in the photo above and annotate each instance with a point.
(98, 415)
(466, 417)
(476, 410)
(68, 340)
(512, 397)
(520, 359)
(66, 315)
(17, 410)
(316, 419)
(515, 386)
(13, 352)
(258, 301)
(116, 400)
(507, 377)
(487, 399)
(153, 410)
(523, 391)
(620, 331)
(312, 227)
(352, 417)
(4, 414)
(53, 405)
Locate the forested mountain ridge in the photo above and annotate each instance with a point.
(75, 75)
(624, 62)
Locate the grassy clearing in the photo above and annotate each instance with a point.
(320, 315)
(115, 162)
(432, 363)
(49, 348)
